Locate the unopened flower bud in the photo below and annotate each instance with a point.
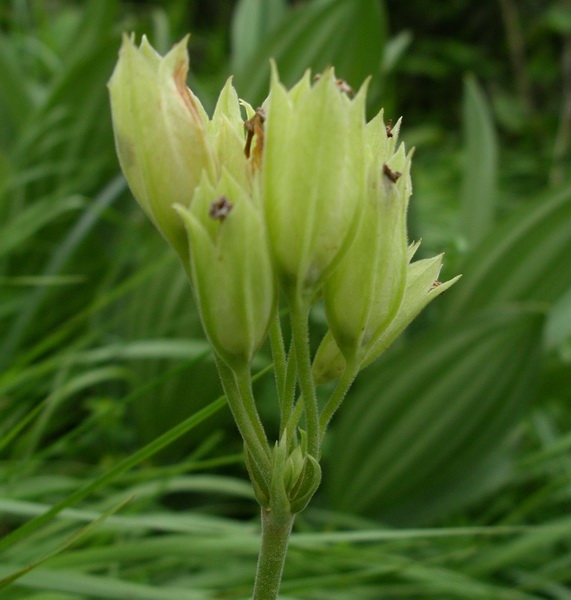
(422, 286)
(313, 177)
(375, 263)
(160, 133)
(230, 267)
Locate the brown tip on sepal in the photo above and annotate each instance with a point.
(389, 128)
(220, 209)
(344, 87)
(254, 126)
(392, 175)
(341, 84)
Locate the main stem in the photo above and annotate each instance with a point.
(276, 529)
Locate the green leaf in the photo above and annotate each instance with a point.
(101, 586)
(26, 223)
(128, 463)
(395, 48)
(16, 98)
(431, 413)
(558, 328)
(348, 34)
(60, 257)
(523, 259)
(253, 21)
(131, 461)
(480, 164)
(558, 18)
(5, 581)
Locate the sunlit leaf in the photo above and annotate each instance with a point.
(523, 259)
(348, 34)
(480, 164)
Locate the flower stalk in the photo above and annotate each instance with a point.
(300, 335)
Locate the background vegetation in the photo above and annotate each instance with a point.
(447, 473)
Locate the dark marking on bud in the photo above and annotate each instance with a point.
(255, 127)
(435, 284)
(392, 175)
(220, 209)
(344, 87)
(389, 128)
(341, 84)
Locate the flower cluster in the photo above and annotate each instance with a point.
(299, 199)
(300, 195)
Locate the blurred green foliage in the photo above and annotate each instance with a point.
(462, 427)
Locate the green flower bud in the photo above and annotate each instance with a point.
(313, 177)
(230, 268)
(376, 262)
(160, 132)
(295, 476)
(293, 468)
(421, 288)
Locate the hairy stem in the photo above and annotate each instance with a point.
(279, 358)
(241, 401)
(244, 382)
(350, 372)
(276, 529)
(294, 418)
(289, 390)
